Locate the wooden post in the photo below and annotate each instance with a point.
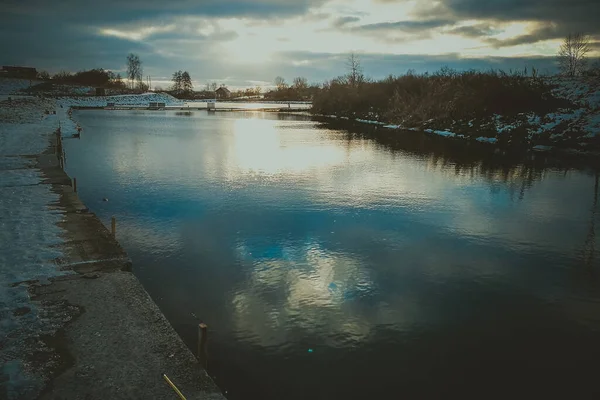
(202, 338)
(75, 185)
(113, 226)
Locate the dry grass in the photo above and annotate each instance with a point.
(445, 96)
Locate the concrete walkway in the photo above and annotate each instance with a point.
(80, 325)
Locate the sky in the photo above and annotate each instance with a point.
(244, 43)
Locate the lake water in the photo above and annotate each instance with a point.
(330, 265)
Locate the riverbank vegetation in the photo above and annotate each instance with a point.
(511, 108)
(445, 95)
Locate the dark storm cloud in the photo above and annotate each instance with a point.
(416, 26)
(557, 16)
(342, 21)
(393, 32)
(523, 10)
(119, 11)
(537, 35)
(64, 34)
(474, 31)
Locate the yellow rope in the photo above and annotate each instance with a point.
(181, 396)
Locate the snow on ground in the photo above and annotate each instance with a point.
(24, 126)
(29, 234)
(483, 139)
(503, 127)
(30, 238)
(592, 123)
(583, 91)
(581, 119)
(441, 133)
(120, 100)
(12, 85)
(366, 121)
(15, 162)
(552, 120)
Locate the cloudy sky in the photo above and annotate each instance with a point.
(249, 42)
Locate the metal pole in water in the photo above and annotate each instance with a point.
(202, 338)
(113, 226)
(75, 185)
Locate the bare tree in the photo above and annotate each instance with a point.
(141, 86)
(186, 82)
(354, 75)
(43, 75)
(572, 54)
(134, 69)
(280, 83)
(300, 83)
(119, 81)
(177, 81)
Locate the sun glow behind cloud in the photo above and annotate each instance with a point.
(138, 34)
(361, 28)
(236, 42)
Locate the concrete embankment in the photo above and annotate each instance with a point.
(88, 330)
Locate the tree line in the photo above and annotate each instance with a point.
(449, 95)
(299, 89)
(97, 77)
(572, 58)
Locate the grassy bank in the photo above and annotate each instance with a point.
(510, 109)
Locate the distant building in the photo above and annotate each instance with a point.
(19, 72)
(223, 93)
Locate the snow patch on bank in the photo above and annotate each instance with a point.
(540, 147)
(583, 91)
(555, 119)
(366, 121)
(593, 125)
(13, 85)
(25, 129)
(483, 139)
(120, 100)
(441, 133)
(30, 237)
